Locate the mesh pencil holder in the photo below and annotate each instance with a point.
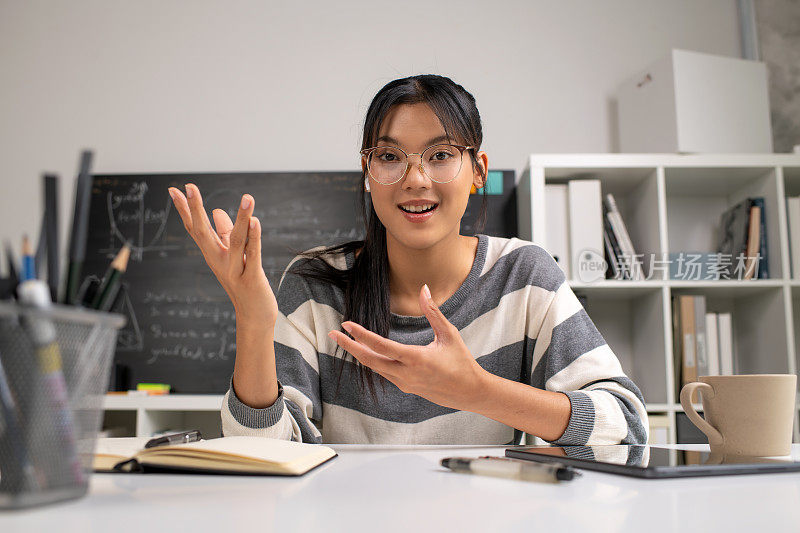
(54, 371)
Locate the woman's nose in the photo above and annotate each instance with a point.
(415, 175)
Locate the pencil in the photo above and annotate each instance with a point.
(28, 266)
(109, 288)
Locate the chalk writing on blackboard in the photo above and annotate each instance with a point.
(181, 324)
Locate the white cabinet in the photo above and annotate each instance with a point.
(141, 416)
(673, 203)
(696, 103)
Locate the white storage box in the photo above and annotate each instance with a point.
(692, 103)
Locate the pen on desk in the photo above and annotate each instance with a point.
(511, 468)
(107, 292)
(175, 438)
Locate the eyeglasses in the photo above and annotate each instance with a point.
(440, 162)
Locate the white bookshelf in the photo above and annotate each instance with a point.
(141, 416)
(673, 203)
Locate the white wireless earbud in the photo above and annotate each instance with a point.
(366, 184)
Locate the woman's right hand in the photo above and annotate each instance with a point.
(233, 252)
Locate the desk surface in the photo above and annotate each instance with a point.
(396, 488)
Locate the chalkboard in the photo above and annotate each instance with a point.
(181, 327)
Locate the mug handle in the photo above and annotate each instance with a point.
(714, 436)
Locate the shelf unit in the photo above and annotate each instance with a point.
(673, 203)
(142, 416)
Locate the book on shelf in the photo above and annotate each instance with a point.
(763, 264)
(224, 455)
(585, 226)
(659, 429)
(700, 342)
(726, 358)
(612, 253)
(686, 345)
(793, 217)
(753, 243)
(712, 344)
(557, 237)
(618, 232)
(743, 233)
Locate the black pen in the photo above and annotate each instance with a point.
(511, 468)
(175, 438)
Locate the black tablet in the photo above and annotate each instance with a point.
(653, 461)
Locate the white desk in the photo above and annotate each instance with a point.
(370, 488)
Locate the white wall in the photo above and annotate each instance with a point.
(190, 85)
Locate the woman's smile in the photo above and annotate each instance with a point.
(418, 211)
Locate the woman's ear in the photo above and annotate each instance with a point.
(480, 170)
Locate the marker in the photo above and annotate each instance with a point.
(511, 468)
(107, 292)
(80, 226)
(54, 408)
(51, 233)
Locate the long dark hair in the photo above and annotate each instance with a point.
(366, 284)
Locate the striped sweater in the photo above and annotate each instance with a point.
(519, 319)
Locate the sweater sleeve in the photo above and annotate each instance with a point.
(297, 413)
(571, 356)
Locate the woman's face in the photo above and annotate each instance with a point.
(413, 128)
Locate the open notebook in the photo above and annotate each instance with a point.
(232, 455)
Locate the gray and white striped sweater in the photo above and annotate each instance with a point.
(519, 319)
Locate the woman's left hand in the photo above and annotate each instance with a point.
(444, 371)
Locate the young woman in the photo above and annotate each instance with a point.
(417, 334)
